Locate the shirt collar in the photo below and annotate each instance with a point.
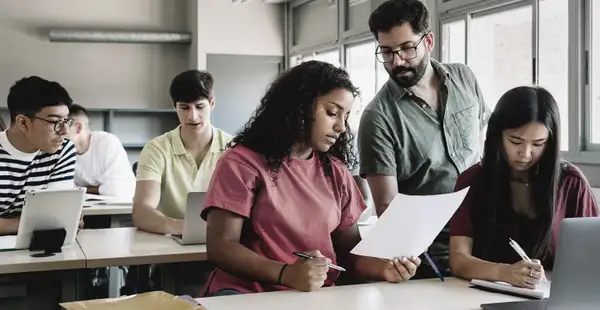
(439, 69)
(177, 144)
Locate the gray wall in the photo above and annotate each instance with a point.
(96, 75)
(137, 76)
(240, 82)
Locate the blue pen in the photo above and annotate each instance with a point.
(435, 268)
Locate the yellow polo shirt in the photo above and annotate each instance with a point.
(164, 159)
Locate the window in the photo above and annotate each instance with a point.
(499, 58)
(382, 74)
(360, 63)
(454, 42)
(595, 70)
(315, 23)
(332, 57)
(554, 58)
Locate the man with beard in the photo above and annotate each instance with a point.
(423, 127)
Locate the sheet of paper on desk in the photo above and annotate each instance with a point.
(157, 300)
(409, 225)
(8, 242)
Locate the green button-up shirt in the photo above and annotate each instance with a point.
(400, 135)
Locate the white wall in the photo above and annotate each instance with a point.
(128, 75)
(96, 74)
(251, 28)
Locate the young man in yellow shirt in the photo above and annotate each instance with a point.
(179, 161)
(174, 164)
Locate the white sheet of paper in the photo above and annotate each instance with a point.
(409, 225)
(92, 199)
(541, 291)
(8, 242)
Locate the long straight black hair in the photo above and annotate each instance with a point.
(516, 108)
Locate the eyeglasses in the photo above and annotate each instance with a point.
(59, 125)
(407, 53)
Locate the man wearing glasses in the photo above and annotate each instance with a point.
(34, 153)
(423, 127)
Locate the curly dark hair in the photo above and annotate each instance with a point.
(285, 115)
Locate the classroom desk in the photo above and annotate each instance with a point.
(453, 294)
(21, 261)
(129, 246)
(119, 214)
(21, 276)
(107, 210)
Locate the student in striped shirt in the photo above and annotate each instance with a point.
(34, 153)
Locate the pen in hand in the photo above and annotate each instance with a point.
(332, 266)
(433, 266)
(521, 252)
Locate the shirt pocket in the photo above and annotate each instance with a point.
(467, 123)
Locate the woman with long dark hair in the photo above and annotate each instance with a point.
(521, 191)
(284, 187)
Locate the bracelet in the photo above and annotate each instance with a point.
(281, 274)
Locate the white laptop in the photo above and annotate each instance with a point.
(194, 227)
(576, 277)
(47, 209)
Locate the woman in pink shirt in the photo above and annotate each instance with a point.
(521, 190)
(284, 186)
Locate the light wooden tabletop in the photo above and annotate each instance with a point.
(130, 246)
(21, 261)
(453, 294)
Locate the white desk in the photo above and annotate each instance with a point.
(21, 261)
(107, 210)
(120, 214)
(453, 294)
(128, 246)
(18, 270)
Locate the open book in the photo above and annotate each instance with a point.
(93, 200)
(542, 290)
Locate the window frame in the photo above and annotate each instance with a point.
(466, 18)
(581, 150)
(588, 60)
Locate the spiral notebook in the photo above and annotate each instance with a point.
(542, 290)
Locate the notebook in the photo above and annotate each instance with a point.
(542, 290)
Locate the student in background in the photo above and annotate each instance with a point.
(176, 163)
(102, 163)
(180, 161)
(285, 186)
(34, 153)
(403, 146)
(521, 190)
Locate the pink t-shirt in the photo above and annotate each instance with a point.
(297, 213)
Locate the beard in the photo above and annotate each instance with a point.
(409, 76)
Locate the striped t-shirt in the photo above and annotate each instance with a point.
(20, 172)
